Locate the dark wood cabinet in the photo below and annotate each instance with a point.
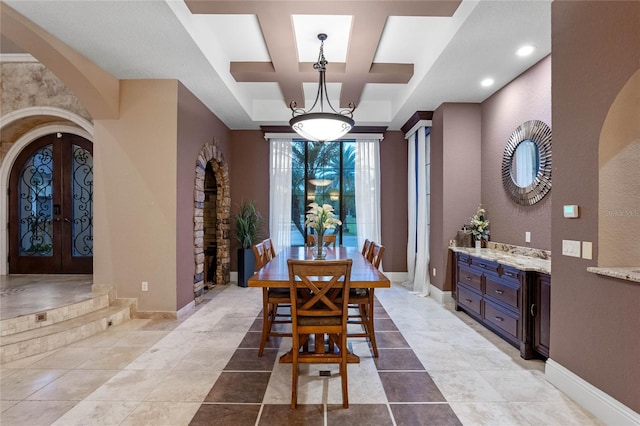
(541, 313)
(512, 303)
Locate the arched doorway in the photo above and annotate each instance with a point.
(50, 193)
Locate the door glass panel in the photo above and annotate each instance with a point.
(82, 200)
(35, 189)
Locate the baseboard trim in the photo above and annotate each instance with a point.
(397, 276)
(600, 404)
(442, 297)
(186, 310)
(157, 315)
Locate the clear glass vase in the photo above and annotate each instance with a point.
(319, 252)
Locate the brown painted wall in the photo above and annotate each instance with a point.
(528, 97)
(249, 175)
(595, 321)
(393, 201)
(455, 180)
(197, 125)
(250, 180)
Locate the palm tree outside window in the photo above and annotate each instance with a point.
(323, 172)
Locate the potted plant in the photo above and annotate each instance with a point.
(247, 221)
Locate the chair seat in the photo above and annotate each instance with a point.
(306, 321)
(281, 295)
(358, 296)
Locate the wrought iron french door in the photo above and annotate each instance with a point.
(51, 207)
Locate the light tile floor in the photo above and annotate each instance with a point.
(147, 372)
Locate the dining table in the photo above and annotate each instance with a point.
(275, 274)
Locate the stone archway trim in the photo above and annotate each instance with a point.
(211, 154)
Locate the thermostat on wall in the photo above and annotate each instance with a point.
(570, 211)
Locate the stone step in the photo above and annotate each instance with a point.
(52, 316)
(35, 341)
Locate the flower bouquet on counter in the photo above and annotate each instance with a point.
(479, 225)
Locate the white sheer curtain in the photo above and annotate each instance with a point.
(418, 237)
(412, 209)
(280, 160)
(367, 181)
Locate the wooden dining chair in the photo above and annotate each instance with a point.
(311, 240)
(318, 309)
(269, 250)
(363, 302)
(375, 254)
(258, 253)
(329, 240)
(366, 247)
(274, 300)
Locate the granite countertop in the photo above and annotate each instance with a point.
(518, 257)
(630, 273)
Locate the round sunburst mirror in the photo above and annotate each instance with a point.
(526, 163)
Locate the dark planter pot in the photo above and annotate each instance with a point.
(246, 262)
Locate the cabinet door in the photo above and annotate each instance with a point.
(542, 311)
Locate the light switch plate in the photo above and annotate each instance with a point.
(587, 250)
(527, 237)
(571, 248)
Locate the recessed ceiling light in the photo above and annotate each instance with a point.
(487, 82)
(525, 50)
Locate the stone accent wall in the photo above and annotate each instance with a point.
(210, 154)
(27, 84)
(31, 84)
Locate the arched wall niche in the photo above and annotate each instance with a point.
(210, 154)
(619, 180)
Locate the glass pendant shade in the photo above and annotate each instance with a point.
(321, 126)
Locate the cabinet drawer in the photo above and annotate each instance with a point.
(511, 275)
(504, 321)
(469, 300)
(502, 292)
(470, 277)
(485, 265)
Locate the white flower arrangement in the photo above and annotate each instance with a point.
(321, 218)
(479, 225)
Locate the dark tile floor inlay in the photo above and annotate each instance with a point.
(248, 360)
(424, 414)
(225, 415)
(280, 414)
(397, 359)
(240, 387)
(411, 386)
(359, 414)
(238, 394)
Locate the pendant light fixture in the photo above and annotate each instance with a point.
(321, 126)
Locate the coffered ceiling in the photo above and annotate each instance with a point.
(247, 60)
